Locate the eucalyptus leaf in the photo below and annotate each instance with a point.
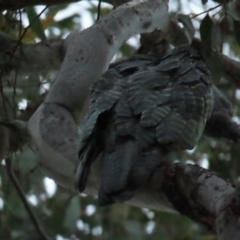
(217, 38)
(206, 27)
(188, 28)
(211, 38)
(35, 23)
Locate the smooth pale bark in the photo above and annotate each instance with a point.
(42, 57)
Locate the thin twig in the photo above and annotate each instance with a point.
(25, 30)
(210, 9)
(21, 36)
(99, 10)
(19, 190)
(218, 12)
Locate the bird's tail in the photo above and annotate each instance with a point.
(125, 169)
(87, 155)
(117, 164)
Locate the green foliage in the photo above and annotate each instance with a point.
(189, 29)
(35, 23)
(62, 214)
(212, 41)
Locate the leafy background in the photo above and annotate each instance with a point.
(64, 216)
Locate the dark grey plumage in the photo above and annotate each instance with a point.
(140, 110)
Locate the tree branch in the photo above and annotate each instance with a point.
(30, 58)
(48, 55)
(31, 214)
(195, 192)
(13, 5)
(204, 197)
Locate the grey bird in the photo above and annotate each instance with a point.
(140, 110)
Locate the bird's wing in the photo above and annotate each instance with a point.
(174, 96)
